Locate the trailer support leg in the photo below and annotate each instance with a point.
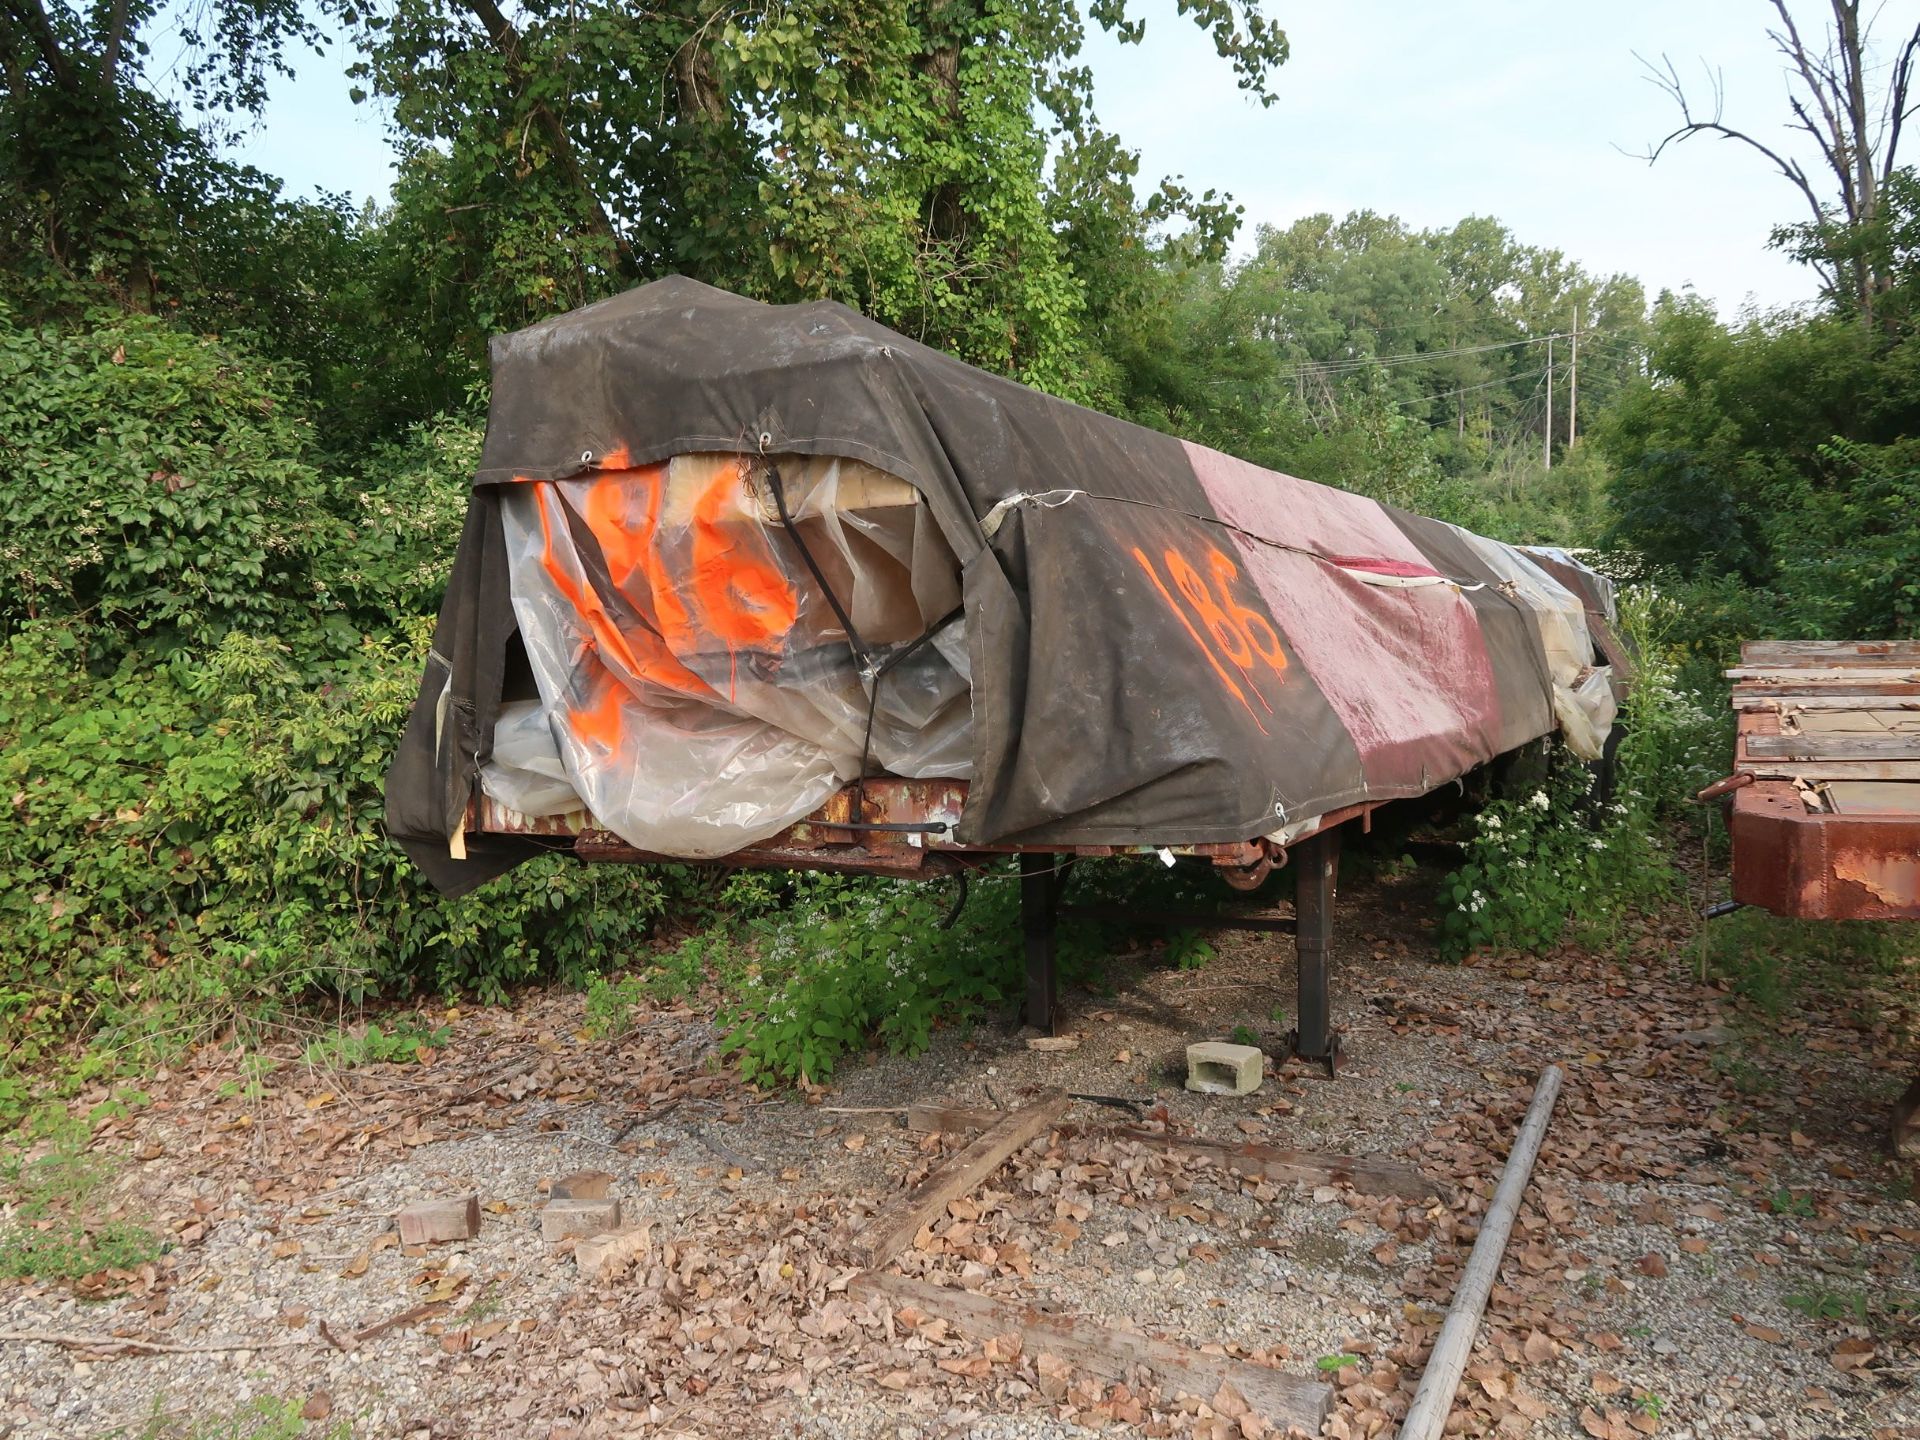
(1317, 864)
(1040, 879)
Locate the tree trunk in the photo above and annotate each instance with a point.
(507, 40)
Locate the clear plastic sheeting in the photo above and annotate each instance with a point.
(700, 688)
(1583, 701)
(526, 772)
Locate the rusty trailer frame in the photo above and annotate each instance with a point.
(902, 828)
(1824, 812)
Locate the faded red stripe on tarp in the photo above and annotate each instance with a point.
(1405, 669)
(1376, 565)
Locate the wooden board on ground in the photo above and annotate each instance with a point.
(891, 1228)
(1367, 1174)
(1279, 1398)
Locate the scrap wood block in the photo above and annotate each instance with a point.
(438, 1222)
(601, 1257)
(581, 1185)
(891, 1228)
(1906, 1121)
(1368, 1174)
(1279, 1398)
(929, 1118)
(575, 1219)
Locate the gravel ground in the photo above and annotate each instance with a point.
(1672, 1218)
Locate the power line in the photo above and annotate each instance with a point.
(1483, 385)
(1318, 368)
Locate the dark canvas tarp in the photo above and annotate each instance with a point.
(1162, 644)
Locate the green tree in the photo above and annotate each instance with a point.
(99, 179)
(892, 156)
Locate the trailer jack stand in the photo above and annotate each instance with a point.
(1042, 877)
(1317, 864)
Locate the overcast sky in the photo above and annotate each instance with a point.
(1513, 108)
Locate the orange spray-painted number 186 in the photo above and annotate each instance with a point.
(1239, 634)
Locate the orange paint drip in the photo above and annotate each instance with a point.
(628, 549)
(658, 665)
(1181, 615)
(1257, 629)
(744, 598)
(624, 545)
(604, 721)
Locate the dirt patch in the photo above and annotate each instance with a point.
(1714, 1243)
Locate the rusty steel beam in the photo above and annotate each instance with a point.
(882, 826)
(1813, 865)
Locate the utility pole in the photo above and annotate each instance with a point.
(1573, 381)
(1546, 437)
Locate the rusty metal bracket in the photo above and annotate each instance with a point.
(1739, 780)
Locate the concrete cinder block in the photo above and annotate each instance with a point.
(1216, 1068)
(437, 1222)
(574, 1219)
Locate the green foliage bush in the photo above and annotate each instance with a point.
(52, 1230)
(856, 960)
(1557, 859)
(206, 658)
(1767, 470)
(158, 483)
(190, 844)
(828, 965)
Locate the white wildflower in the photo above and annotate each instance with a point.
(1539, 800)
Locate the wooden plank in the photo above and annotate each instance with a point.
(930, 1119)
(1832, 747)
(1280, 1398)
(1827, 666)
(1745, 700)
(1788, 652)
(1367, 1174)
(1852, 683)
(891, 1228)
(1823, 769)
(1824, 674)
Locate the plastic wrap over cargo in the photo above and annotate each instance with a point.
(526, 773)
(699, 684)
(1583, 702)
